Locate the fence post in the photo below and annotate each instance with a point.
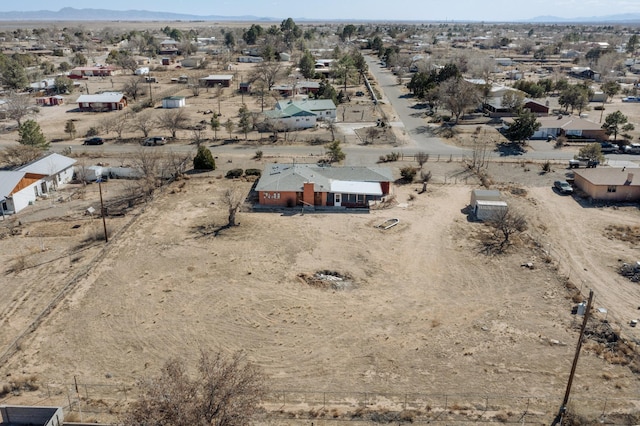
(86, 391)
(324, 399)
(69, 399)
(125, 392)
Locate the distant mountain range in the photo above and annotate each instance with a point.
(620, 18)
(72, 14)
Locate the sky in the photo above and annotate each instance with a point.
(416, 10)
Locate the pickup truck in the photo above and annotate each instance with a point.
(583, 162)
(634, 148)
(606, 147)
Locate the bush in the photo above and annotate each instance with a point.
(203, 159)
(92, 132)
(258, 155)
(234, 173)
(253, 172)
(408, 173)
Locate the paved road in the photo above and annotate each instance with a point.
(406, 117)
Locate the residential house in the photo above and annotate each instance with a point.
(566, 125)
(174, 102)
(46, 86)
(324, 109)
(107, 101)
(584, 73)
(214, 80)
(311, 185)
(168, 47)
(21, 187)
(609, 183)
(192, 62)
(293, 117)
(95, 71)
(50, 100)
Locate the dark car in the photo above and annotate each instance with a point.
(563, 186)
(93, 141)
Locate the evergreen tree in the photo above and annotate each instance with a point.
(70, 128)
(522, 127)
(204, 159)
(31, 135)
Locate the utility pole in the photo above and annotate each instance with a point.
(563, 407)
(102, 212)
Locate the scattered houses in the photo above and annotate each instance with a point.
(312, 185)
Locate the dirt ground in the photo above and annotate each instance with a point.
(427, 311)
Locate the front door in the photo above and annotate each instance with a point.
(337, 200)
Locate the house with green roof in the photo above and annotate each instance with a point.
(300, 114)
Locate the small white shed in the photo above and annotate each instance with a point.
(485, 203)
(174, 102)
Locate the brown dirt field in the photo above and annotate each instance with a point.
(427, 312)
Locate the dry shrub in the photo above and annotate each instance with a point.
(407, 416)
(435, 323)
(501, 417)
(20, 384)
(615, 358)
(607, 376)
(577, 297)
(72, 417)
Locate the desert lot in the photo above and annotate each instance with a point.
(426, 310)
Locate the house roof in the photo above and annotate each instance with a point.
(292, 177)
(353, 187)
(8, 182)
(610, 176)
(308, 104)
(289, 111)
(49, 165)
(566, 122)
(106, 97)
(217, 77)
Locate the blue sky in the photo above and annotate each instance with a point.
(475, 10)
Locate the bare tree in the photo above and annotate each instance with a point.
(173, 120)
(421, 158)
(226, 392)
(144, 122)
(120, 124)
(108, 123)
(458, 95)
(194, 84)
(269, 72)
(17, 155)
(134, 88)
(174, 164)
(19, 106)
(507, 223)
(232, 199)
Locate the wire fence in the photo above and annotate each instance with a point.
(105, 402)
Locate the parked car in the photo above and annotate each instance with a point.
(633, 148)
(607, 147)
(631, 99)
(93, 141)
(563, 187)
(359, 93)
(583, 162)
(154, 140)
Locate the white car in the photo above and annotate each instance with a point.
(631, 99)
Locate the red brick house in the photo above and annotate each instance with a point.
(311, 185)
